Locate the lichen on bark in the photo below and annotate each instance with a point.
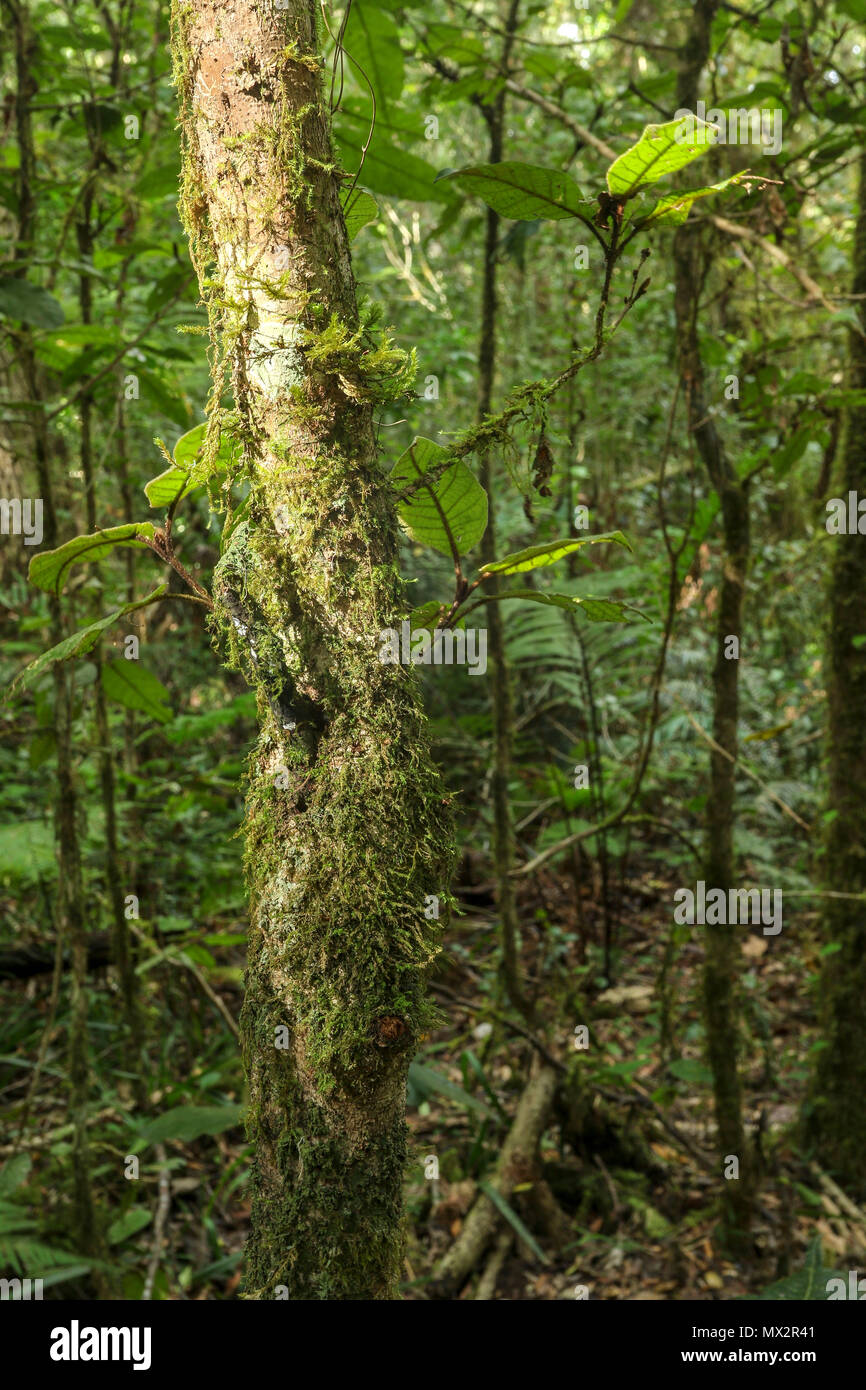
(347, 827)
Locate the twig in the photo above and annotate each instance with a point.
(159, 1220)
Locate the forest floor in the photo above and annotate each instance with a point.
(634, 1223)
(635, 1235)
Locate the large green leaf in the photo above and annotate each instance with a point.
(359, 208)
(188, 1122)
(506, 1210)
(79, 642)
(424, 1081)
(49, 570)
(674, 208)
(132, 685)
(808, 1284)
(524, 191)
(29, 303)
(372, 39)
(657, 153)
(454, 501)
(536, 556)
(598, 610)
(129, 1224)
(391, 170)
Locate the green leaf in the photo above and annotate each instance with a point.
(185, 475)
(129, 1224)
(359, 208)
(168, 487)
(62, 1276)
(808, 1284)
(165, 398)
(674, 208)
(513, 1220)
(424, 1080)
(14, 1173)
(536, 556)
(427, 616)
(188, 1122)
(26, 853)
(524, 191)
(455, 498)
(187, 450)
(29, 303)
(132, 685)
(49, 570)
(391, 170)
(598, 610)
(159, 183)
(691, 1070)
(661, 150)
(79, 642)
(372, 40)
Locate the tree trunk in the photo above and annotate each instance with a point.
(70, 914)
(835, 1113)
(347, 830)
(721, 943)
(501, 705)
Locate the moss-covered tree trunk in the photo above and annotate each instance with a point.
(347, 830)
(722, 945)
(835, 1114)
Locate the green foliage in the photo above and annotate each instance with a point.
(537, 556)
(188, 1122)
(438, 505)
(522, 190)
(806, 1285)
(80, 642)
(658, 153)
(132, 685)
(50, 569)
(674, 208)
(19, 299)
(359, 209)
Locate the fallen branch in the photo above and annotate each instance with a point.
(159, 1220)
(518, 1152)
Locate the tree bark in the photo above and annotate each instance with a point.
(835, 1111)
(347, 828)
(501, 703)
(722, 954)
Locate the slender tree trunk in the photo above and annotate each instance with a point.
(721, 942)
(835, 1112)
(347, 831)
(121, 950)
(500, 677)
(70, 893)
